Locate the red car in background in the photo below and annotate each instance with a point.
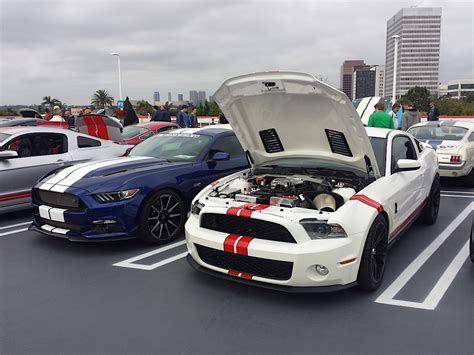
(137, 133)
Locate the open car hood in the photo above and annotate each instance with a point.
(100, 126)
(279, 115)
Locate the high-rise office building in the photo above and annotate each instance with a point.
(156, 96)
(347, 69)
(169, 96)
(367, 81)
(419, 29)
(180, 97)
(193, 97)
(201, 96)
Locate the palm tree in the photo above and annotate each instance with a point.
(51, 102)
(102, 99)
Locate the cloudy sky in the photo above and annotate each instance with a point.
(62, 48)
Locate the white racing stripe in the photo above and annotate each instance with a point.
(83, 171)
(52, 213)
(130, 263)
(63, 174)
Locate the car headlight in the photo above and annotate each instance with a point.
(104, 197)
(322, 230)
(197, 207)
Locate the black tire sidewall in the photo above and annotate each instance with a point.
(143, 228)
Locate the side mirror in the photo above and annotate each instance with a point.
(8, 154)
(221, 156)
(407, 165)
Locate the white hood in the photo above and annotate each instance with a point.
(284, 114)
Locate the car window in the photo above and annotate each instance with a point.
(133, 131)
(31, 145)
(163, 129)
(228, 144)
(379, 146)
(172, 147)
(440, 132)
(402, 148)
(4, 136)
(471, 137)
(85, 142)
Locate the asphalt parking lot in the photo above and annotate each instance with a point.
(129, 297)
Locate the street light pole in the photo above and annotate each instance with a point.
(395, 59)
(119, 73)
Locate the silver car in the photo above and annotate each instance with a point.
(28, 153)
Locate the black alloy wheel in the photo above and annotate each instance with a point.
(429, 214)
(162, 217)
(374, 255)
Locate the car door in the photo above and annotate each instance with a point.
(404, 188)
(213, 170)
(38, 154)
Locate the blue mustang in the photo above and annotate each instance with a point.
(146, 194)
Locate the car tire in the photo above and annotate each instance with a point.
(429, 214)
(162, 217)
(372, 264)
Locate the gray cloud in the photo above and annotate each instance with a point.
(62, 48)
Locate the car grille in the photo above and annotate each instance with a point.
(69, 226)
(246, 226)
(56, 199)
(271, 269)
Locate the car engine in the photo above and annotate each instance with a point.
(323, 194)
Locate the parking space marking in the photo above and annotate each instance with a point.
(13, 232)
(130, 263)
(435, 295)
(14, 225)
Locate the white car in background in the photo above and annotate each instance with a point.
(454, 144)
(324, 197)
(28, 153)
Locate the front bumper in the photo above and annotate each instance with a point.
(303, 258)
(75, 238)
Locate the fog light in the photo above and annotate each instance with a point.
(104, 221)
(322, 270)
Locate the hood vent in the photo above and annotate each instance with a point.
(338, 143)
(271, 141)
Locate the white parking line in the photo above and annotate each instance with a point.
(13, 232)
(435, 295)
(130, 263)
(15, 225)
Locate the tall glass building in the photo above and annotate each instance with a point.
(419, 29)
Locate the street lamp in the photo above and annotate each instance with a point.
(395, 59)
(119, 73)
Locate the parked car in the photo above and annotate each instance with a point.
(146, 194)
(324, 198)
(30, 122)
(28, 153)
(137, 133)
(454, 145)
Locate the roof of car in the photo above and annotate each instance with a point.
(210, 130)
(447, 123)
(16, 121)
(153, 124)
(31, 129)
(378, 132)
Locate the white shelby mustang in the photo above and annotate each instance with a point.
(324, 197)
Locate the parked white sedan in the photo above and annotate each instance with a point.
(324, 198)
(28, 153)
(454, 144)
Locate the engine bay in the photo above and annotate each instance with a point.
(318, 193)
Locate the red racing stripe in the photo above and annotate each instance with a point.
(233, 273)
(246, 210)
(246, 276)
(243, 245)
(368, 201)
(233, 211)
(15, 196)
(101, 127)
(229, 242)
(407, 221)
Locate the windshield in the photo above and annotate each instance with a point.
(133, 131)
(443, 133)
(4, 136)
(379, 148)
(308, 166)
(172, 147)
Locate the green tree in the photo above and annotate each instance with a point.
(420, 96)
(144, 107)
(214, 110)
(102, 99)
(50, 102)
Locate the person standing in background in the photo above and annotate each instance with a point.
(193, 118)
(410, 116)
(182, 118)
(433, 113)
(47, 116)
(380, 118)
(161, 114)
(393, 114)
(58, 115)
